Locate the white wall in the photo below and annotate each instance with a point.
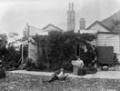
(109, 40)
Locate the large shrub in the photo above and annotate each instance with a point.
(59, 48)
(11, 58)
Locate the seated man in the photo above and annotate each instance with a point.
(58, 75)
(61, 75)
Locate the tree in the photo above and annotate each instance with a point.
(3, 43)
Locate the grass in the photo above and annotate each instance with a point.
(23, 82)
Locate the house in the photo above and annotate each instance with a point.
(105, 36)
(108, 33)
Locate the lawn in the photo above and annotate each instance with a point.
(23, 82)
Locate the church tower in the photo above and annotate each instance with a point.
(71, 18)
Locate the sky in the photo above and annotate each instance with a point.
(15, 14)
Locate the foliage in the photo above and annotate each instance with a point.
(3, 40)
(59, 48)
(2, 74)
(11, 58)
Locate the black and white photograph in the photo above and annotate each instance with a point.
(59, 45)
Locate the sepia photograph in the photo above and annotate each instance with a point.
(59, 45)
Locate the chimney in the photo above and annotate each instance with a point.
(71, 17)
(82, 24)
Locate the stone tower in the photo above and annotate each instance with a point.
(71, 18)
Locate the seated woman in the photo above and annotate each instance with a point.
(58, 75)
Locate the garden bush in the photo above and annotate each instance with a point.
(58, 49)
(2, 74)
(11, 58)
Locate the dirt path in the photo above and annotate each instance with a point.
(101, 74)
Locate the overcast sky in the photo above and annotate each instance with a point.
(14, 14)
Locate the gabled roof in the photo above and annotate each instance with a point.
(115, 17)
(97, 22)
(51, 25)
(113, 22)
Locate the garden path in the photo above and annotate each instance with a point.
(100, 74)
